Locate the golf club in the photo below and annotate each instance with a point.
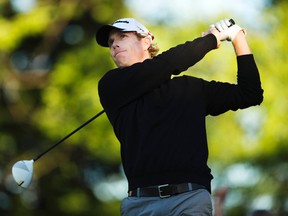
(232, 22)
(22, 171)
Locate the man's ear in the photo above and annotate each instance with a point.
(147, 42)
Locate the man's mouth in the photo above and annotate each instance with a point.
(118, 52)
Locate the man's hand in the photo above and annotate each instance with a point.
(224, 30)
(216, 33)
(228, 29)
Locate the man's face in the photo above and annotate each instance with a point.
(127, 49)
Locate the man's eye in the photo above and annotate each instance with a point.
(110, 41)
(123, 35)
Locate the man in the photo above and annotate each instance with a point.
(160, 120)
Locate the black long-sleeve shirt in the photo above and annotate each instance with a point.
(160, 120)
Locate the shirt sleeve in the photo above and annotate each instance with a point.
(222, 97)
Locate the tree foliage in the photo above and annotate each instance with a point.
(49, 72)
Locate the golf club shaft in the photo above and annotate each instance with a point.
(68, 135)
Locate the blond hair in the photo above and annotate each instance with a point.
(153, 48)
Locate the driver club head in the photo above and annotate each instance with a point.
(22, 172)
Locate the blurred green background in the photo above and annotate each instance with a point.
(49, 72)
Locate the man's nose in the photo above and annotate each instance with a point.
(115, 44)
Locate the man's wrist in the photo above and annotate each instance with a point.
(240, 44)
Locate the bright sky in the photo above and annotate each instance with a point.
(178, 11)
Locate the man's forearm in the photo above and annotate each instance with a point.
(240, 44)
(186, 55)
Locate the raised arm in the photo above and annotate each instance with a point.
(123, 85)
(247, 92)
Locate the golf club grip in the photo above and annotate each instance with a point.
(232, 22)
(68, 135)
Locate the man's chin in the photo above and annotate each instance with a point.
(122, 65)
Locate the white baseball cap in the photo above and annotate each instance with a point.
(124, 24)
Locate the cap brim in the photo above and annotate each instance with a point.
(102, 35)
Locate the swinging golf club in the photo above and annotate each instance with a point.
(22, 171)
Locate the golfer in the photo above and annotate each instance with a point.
(159, 119)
